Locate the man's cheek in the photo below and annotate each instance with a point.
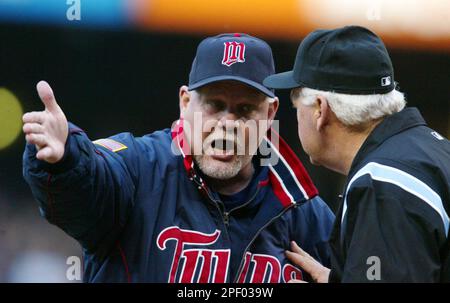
(208, 124)
(300, 131)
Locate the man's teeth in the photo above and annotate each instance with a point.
(222, 145)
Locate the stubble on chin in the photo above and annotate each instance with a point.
(217, 169)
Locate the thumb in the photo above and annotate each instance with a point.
(45, 92)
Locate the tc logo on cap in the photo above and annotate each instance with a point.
(233, 52)
(386, 81)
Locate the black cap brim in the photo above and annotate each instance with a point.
(282, 80)
(268, 92)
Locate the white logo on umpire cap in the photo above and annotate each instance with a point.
(437, 136)
(386, 81)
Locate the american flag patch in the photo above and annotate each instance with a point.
(110, 144)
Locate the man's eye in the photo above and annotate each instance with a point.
(246, 109)
(215, 105)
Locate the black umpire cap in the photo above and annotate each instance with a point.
(351, 60)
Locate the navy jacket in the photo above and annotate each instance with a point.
(143, 214)
(393, 223)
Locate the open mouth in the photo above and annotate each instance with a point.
(222, 149)
(223, 144)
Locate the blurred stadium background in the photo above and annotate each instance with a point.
(116, 65)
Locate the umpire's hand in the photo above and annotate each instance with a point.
(317, 271)
(46, 129)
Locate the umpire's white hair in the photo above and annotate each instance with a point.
(356, 110)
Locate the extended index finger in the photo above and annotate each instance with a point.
(33, 117)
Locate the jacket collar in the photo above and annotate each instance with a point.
(390, 126)
(288, 178)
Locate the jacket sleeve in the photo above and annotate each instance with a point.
(90, 192)
(390, 235)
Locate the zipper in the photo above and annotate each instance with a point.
(217, 204)
(225, 214)
(255, 236)
(246, 203)
(226, 218)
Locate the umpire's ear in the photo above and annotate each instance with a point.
(322, 113)
(184, 96)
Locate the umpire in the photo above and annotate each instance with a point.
(392, 225)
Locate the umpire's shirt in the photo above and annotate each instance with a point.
(393, 223)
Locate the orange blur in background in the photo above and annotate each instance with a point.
(416, 24)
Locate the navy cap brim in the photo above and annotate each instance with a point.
(282, 80)
(268, 92)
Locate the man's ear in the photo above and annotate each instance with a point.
(273, 108)
(322, 113)
(184, 97)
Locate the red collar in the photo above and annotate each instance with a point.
(288, 177)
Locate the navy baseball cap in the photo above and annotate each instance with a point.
(238, 57)
(351, 60)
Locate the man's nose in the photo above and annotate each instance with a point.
(229, 121)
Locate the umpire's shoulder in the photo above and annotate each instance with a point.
(414, 188)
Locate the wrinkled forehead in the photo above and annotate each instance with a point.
(230, 89)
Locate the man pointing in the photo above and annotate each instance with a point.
(47, 129)
(201, 202)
